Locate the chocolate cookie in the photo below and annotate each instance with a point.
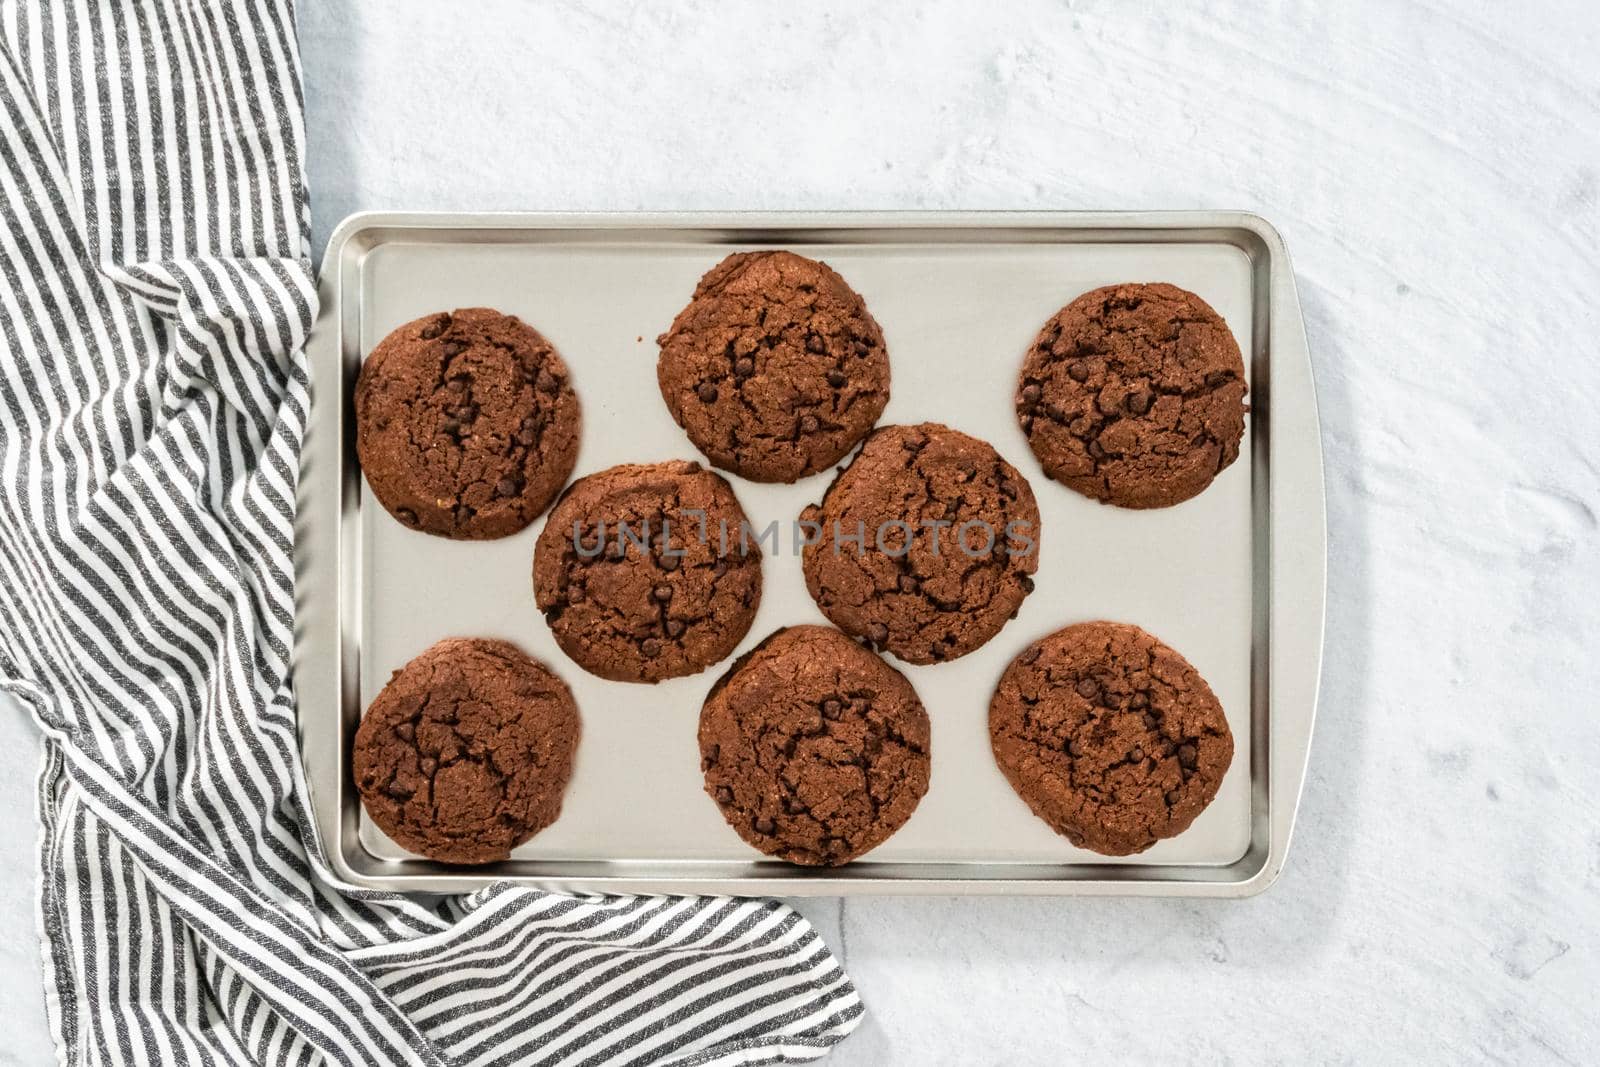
(1134, 395)
(647, 572)
(466, 424)
(775, 369)
(466, 752)
(925, 545)
(815, 749)
(1110, 736)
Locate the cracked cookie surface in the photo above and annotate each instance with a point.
(1110, 736)
(466, 423)
(814, 749)
(642, 572)
(466, 752)
(950, 543)
(775, 369)
(1134, 395)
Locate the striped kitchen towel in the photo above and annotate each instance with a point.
(155, 297)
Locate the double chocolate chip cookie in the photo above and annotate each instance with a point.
(466, 753)
(1110, 736)
(814, 749)
(646, 572)
(775, 369)
(925, 545)
(1134, 395)
(466, 423)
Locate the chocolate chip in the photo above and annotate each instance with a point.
(863, 350)
(1149, 721)
(456, 385)
(836, 378)
(877, 633)
(1030, 656)
(832, 709)
(1075, 747)
(1139, 402)
(526, 436)
(1173, 796)
(427, 765)
(675, 628)
(1078, 371)
(670, 561)
(508, 486)
(432, 330)
(1138, 700)
(765, 825)
(1026, 581)
(1188, 755)
(809, 424)
(405, 731)
(1096, 450)
(793, 806)
(1031, 394)
(908, 583)
(399, 789)
(406, 515)
(549, 384)
(662, 592)
(450, 425)
(575, 594)
(1216, 378)
(453, 348)
(815, 345)
(724, 795)
(706, 392)
(1137, 755)
(650, 647)
(744, 366)
(1087, 688)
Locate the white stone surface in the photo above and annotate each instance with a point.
(1435, 170)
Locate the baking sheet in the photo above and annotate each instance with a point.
(958, 307)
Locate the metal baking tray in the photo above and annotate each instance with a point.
(1234, 579)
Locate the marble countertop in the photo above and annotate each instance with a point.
(1435, 170)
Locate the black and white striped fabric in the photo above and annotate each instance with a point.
(155, 296)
